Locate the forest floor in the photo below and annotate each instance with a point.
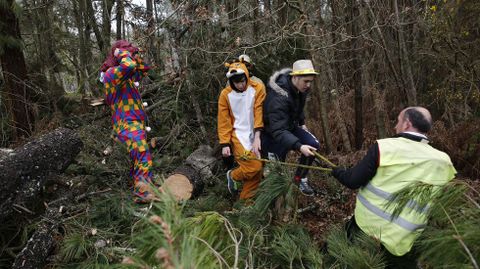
(104, 228)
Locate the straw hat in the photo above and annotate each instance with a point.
(303, 67)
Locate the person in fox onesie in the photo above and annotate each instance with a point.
(240, 121)
(122, 70)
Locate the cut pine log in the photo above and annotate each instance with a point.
(26, 169)
(187, 181)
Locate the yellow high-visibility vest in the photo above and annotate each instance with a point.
(403, 162)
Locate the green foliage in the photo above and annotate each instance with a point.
(211, 228)
(80, 248)
(245, 238)
(278, 183)
(211, 202)
(451, 238)
(421, 193)
(75, 247)
(201, 241)
(293, 248)
(360, 252)
(93, 238)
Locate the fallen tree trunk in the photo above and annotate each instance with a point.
(187, 180)
(26, 169)
(42, 242)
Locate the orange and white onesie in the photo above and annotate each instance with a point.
(240, 114)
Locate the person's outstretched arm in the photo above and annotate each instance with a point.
(359, 175)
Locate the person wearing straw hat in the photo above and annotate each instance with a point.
(284, 118)
(240, 121)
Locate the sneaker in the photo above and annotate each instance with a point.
(232, 184)
(305, 188)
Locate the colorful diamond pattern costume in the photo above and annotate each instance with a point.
(128, 117)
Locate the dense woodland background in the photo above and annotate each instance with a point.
(374, 59)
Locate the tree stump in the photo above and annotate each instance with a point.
(26, 169)
(186, 181)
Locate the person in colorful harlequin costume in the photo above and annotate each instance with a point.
(121, 72)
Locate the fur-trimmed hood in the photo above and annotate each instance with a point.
(273, 84)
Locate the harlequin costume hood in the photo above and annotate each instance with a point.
(111, 60)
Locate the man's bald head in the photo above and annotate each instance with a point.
(419, 117)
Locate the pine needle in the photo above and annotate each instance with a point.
(277, 183)
(362, 252)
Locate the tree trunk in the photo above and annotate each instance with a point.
(336, 37)
(255, 19)
(45, 239)
(16, 94)
(356, 81)
(405, 65)
(93, 23)
(232, 9)
(339, 116)
(187, 180)
(151, 30)
(384, 47)
(378, 102)
(119, 17)
(267, 7)
(322, 98)
(25, 170)
(107, 6)
(314, 27)
(199, 115)
(282, 12)
(47, 57)
(224, 22)
(83, 37)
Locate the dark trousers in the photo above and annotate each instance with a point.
(273, 149)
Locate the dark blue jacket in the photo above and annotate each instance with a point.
(283, 109)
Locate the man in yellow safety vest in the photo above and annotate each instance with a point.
(389, 166)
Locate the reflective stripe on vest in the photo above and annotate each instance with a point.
(407, 225)
(388, 196)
